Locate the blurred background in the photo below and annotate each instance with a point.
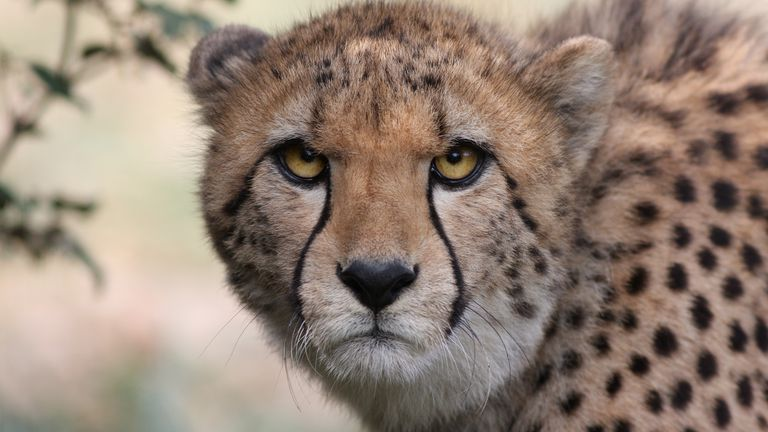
(114, 315)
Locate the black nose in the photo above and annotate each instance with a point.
(377, 284)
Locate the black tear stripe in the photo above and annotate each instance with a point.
(325, 214)
(460, 303)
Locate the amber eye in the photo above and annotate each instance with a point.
(302, 162)
(459, 165)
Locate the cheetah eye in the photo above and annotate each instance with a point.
(300, 163)
(460, 165)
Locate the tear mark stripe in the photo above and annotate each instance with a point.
(460, 302)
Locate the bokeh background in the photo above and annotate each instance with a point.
(163, 346)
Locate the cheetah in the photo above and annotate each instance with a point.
(455, 228)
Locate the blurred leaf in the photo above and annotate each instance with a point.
(57, 83)
(22, 127)
(97, 49)
(174, 22)
(7, 197)
(72, 247)
(147, 48)
(65, 204)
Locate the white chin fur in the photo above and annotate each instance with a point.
(368, 359)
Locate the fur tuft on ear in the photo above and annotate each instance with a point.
(575, 78)
(217, 60)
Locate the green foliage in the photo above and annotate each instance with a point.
(57, 83)
(176, 23)
(39, 226)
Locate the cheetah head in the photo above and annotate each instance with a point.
(391, 190)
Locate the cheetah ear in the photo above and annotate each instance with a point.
(218, 60)
(575, 78)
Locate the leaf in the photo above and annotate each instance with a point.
(72, 247)
(147, 48)
(7, 197)
(176, 23)
(57, 83)
(92, 50)
(66, 204)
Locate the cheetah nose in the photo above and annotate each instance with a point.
(377, 284)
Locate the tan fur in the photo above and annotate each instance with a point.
(597, 154)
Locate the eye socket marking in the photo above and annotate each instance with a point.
(460, 166)
(300, 163)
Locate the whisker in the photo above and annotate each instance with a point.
(234, 347)
(501, 339)
(210, 342)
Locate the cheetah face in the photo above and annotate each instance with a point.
(394, 217)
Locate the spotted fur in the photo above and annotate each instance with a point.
(607, 271)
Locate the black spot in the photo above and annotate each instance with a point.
(700, 312)
(725, 143)
(761, 157)
(738, 339)
(529, 222)
(525, 309)
(719, 236)
(707, 259)
(519, 203)
(682, 394)
(606, 316)
(664, 341)
(539, 261)
(761, 335)
(383, 28)
(552, 327)
(681, 236)
(276, 73)
(755, 207)
(725, 195)
(613, 385)
(757, 93)
(762, 422)
(684, 190)
(696, 151)
(324, 77)
(545, 373)
(706, 365)
(575, 318)
(722, 413)
(629, 320)
(511, 183)
(571, 361)
(646, 212)
(677, 278)
(595, 428)
(637, 281)
(751, 257)
(724, 103)
(601, 343)
(744, 391)
(513, 273)
(431, 81)
(622, 426)
(732, 288)
(654, 402)
(571, 403)
(639, 364)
